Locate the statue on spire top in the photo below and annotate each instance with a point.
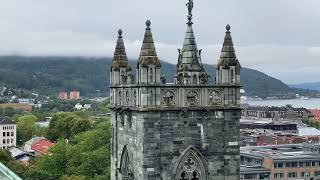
(190, 7)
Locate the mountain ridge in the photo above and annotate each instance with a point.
(90, 75)
(308, 85)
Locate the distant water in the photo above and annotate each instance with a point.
(313, 103)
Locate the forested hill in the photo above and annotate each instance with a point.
(49, 75)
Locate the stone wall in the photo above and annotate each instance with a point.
(156, 140)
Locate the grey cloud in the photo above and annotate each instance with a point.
(277, 37)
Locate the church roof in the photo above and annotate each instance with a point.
(120, 59)
(228, 56)
(148, 54)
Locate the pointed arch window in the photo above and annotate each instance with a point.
(194, 79)
(232, 76)
(151, 75)
(190, 166)
(125, 166)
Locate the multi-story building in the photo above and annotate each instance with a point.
(184, 130)
(8, 133)
(295, 161)
(285, 112)
(63, 95)
(75, 95)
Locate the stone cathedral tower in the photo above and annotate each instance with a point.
(186, 130)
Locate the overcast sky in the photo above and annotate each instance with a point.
(278, 37)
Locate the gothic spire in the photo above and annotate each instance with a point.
(189, 68)
(190, 55)
(120, 59)
(148, 54)
(228, 56)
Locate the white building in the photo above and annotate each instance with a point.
(29, 143)
(78, 106)
(8, 133)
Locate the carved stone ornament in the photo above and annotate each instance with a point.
(203, 78)
(192, 98)
(124, 79)
(179, 79)
(215, 98)
(168, 98)
(189, 165)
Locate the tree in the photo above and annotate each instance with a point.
(86, 156)
(81, 125)
(66, 124)
(90, 152)
(60, 126)
(26, 128)
(5, 156)
(54, 164)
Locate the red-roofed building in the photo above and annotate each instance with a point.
(315, 113)
(42, 146)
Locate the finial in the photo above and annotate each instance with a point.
(228, 27)
(148, 23)
(120, 32)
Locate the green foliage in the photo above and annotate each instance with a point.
(33, 174)
(58, 106)
(10, 112)
(73, 178)
(66, 124)
(5, 156)
(26, 128)
(103, 106)
(7, 160)
(87, 156)
(54, 164)
(49, 75)
(311, 123)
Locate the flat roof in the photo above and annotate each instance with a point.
(265, 121)
(253, 169)
(287, 152)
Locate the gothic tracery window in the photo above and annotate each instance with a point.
(190, 166)
(125, 166)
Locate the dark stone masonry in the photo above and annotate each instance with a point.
(186, 130)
